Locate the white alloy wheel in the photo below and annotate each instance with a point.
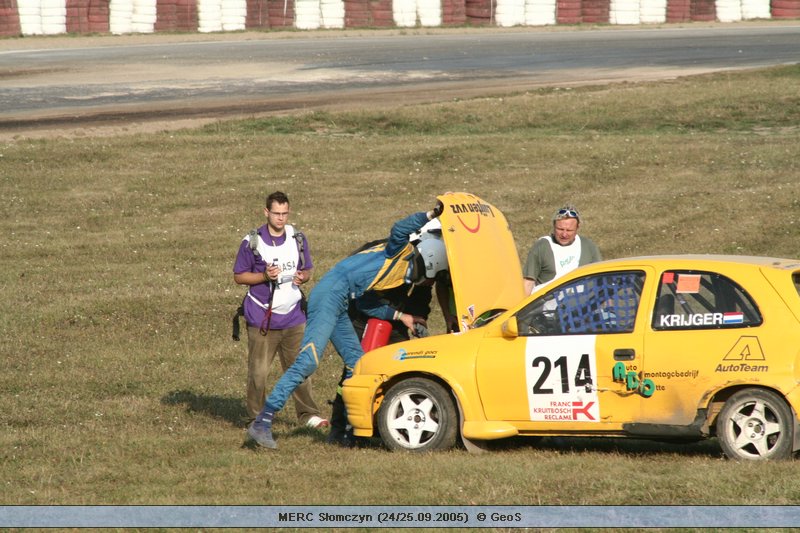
(418, 415)
(756, 424)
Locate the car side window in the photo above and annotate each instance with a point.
(601, 303)
(702, 300)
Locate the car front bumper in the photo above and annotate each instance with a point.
(359, 393)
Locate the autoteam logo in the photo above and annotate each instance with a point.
(746, 355)
(478, 208)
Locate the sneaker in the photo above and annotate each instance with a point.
(261, 432)
(317, 422)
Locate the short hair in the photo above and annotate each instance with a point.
(568, 211)
(278, 197)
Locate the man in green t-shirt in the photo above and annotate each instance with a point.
(552, 256)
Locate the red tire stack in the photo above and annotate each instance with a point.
(381, 13)
(98, 14)
(257, 14)
(357, 14)
(703, 10)
(453, 13)
(9, 18)
(679, 10)
(785, 9)
(568, 12)
(595, 11)
(479, 12)
(78, 16)
(166, 15)
(176, 15)
(281, 13)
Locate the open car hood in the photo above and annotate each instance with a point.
(484, 265)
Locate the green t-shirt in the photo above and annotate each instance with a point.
(541, 263)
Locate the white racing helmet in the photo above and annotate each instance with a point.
(430, 258)
(431, 230)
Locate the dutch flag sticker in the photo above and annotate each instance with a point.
(732, 318)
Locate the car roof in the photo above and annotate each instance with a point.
(689, 260)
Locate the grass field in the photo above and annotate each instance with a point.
(121, 385)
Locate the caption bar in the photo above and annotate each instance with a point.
(358, 516)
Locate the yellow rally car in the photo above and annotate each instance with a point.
(674, 348)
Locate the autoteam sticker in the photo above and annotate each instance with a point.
(746, 355)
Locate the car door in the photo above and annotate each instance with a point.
(559, 372)
(704, 331)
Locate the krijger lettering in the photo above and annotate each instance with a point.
(702, 319)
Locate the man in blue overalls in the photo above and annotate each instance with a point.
(377, 268)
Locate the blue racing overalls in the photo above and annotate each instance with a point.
(373, 269)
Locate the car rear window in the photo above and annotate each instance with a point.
(702, 300)
(796, 279)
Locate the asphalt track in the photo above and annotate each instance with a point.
(88, 82)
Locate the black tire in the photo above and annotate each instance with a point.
(418, 415)
(756, 425)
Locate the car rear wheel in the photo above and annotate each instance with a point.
(755, 425)
(418, 415)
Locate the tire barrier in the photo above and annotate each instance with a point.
(30, 17)
(53, 17)
(789, 9)
(176, 15)
(412, 13)
(454, 13)
(143, 17)
(9, 18)
(49, 17)
(368, 14)
(120, 16)
(595, 11)
(332, 14)
(625, 12)
(568, 12)
(479, 12)
(307, 14)
(209, 16)
(653, 12)
(234, 15)
(510, 13)
(543, 12)
(703, 10)
(87, 16)
(679, 11)
(755, 9)
(281, 13)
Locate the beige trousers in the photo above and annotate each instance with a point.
(261, 352)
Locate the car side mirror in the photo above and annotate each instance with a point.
(510, 328)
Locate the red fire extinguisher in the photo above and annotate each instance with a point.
(376, 334)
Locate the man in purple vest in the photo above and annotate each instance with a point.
(273, 262)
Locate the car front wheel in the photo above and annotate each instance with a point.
(418, 415)
(756, 424)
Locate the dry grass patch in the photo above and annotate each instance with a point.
(121, 383)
